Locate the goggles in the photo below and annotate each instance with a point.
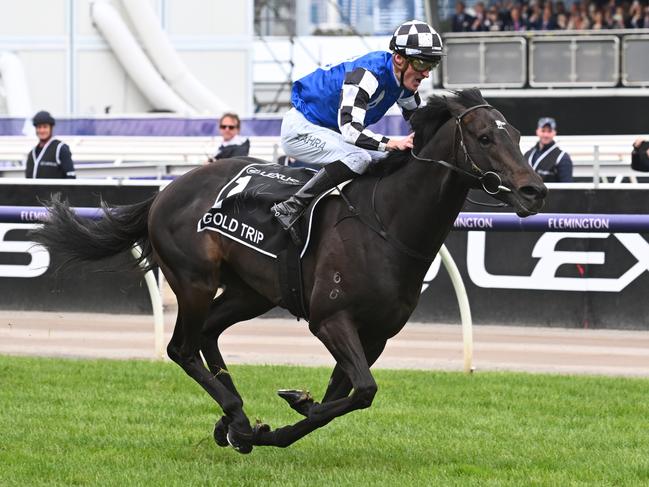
(421, 65)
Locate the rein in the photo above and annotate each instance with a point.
(490, 183)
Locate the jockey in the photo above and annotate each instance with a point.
(333, 106)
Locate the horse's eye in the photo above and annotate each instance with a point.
(484, 140)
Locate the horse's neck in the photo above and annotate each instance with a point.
(421, 202)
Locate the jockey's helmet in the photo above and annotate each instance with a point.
(418, 40)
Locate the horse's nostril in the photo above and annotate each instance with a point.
(534, 192)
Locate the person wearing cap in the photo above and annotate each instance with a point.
(333, 106)
(51, 158)
(548, 160)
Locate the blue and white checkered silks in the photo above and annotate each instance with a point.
(416, 38)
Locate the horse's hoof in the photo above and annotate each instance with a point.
(241, 442)
(221, 432)
(300, 401)
(260, 427)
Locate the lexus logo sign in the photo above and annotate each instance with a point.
(39, 256)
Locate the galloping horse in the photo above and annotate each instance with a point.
(362, 272)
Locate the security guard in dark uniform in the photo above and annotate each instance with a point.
(547, 159)
(51, 158)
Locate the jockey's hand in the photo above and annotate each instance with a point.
(401, 144)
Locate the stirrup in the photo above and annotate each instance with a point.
(287, 222)
(286, 218)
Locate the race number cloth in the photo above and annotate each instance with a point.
(242, 208)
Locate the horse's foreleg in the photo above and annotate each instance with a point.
(239, 302)
(341, 338)
(339, 385)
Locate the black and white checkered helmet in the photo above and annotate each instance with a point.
(417, 39)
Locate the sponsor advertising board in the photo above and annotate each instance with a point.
(595, 278)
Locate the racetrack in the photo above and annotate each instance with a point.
(281, 341)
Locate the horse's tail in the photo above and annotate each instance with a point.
(79, 239)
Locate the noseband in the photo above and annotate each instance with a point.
(489, 181)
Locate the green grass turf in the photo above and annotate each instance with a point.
(79, 422)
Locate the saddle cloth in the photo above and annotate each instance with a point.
(242, 212)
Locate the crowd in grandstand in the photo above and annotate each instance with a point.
(511, 15)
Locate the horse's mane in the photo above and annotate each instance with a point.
(426, 121)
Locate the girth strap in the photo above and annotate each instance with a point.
(291, 283)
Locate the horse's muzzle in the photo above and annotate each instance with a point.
(530, 199)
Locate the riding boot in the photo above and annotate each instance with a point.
(289, 211)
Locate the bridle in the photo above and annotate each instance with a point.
(489, 181)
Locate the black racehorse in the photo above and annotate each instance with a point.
(362, 273)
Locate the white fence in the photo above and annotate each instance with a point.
(602, 158)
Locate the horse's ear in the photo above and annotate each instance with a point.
(454, 105)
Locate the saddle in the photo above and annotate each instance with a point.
(241, 212)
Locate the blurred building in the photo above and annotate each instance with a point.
(365, 17)
(74, 56)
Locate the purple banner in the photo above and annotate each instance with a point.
(552, 222)
(176, 127)
(35, 214)
(492, 222)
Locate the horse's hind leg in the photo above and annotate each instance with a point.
(194, 292)
(239, 302)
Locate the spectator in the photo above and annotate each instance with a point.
(534, 18)
(233, 144)
(51, 158)
(640, 155)
(493, 23)
(598, 21)
(635, 15)
(515, 22)
(547, 159)
(562, 22)
(478, 21)
(620, 20)
(461, 20)
(547, 20)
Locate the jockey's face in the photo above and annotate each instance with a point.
(411, 77)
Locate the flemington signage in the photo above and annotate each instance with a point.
(596, 276)
(552, 222)
(550, 259)
(35, 261)
(544, 276)
(32, 279)
(586, 268)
